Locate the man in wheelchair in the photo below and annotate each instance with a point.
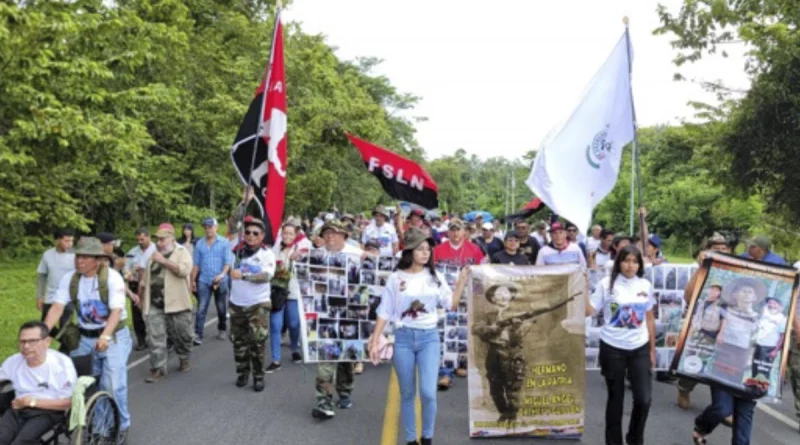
(42, 380)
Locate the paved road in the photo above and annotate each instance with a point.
(204, 406)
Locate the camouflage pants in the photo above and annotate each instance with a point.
(177, 327)
(794, 376)
(249, 333)
(505, 371)
(326, 373)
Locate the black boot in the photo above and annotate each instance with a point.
(427, 441)
(242, 380)
(413, 443)
(258, 383)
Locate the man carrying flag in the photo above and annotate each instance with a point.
(259, 150)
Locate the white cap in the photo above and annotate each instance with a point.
(487, 226)
(328, 217)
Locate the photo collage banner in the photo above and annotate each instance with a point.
(738, 332)
(669, 284)
(341, 294)
(526, 370)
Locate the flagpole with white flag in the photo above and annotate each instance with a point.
(578, 167)
(635, 152)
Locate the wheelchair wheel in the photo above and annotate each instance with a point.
(102, 421)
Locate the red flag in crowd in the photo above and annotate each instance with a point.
(259, 150)
(535, 204)
(402, 178)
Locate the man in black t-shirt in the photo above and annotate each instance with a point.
(528, 245)
(511, 253)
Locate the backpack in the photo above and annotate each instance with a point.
(70, 334)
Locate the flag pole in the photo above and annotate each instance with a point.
(267, 74)
(635, 153)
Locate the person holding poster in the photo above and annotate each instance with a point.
(627, 342)
(409, 300)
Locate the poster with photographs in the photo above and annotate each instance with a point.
(453, 326)
(341, 294)
(738, 328)
(526, 362)
(669, 283)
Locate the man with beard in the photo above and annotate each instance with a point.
(167, 302)
(528, 245)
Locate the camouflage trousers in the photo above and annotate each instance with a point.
(326, 373)
(794, 375)
(178, 327)
(249, 333)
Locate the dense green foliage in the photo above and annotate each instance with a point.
(118, 114)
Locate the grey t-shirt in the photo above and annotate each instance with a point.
(55, 265)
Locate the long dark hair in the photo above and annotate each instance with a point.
(628, 250)
(407, 259)
(615, 245)
(182, 239)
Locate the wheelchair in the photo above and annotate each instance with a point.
(102, 424)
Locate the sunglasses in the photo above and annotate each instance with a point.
(252, 232)
(29, 342)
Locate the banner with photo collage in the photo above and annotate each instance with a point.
(669, 283)
(526, 363)
(453, 326)
(340, 294)
(738, 333)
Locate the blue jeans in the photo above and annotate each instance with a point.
(722, 405)
(204, 299)
(111, 368)
(276, 319)
(417, 348)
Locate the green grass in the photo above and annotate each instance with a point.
(17, 300)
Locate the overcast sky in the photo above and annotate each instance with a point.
(496, 76)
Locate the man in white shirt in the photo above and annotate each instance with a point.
(382, 232)
(42, 380)
(560, 251)
(56, 262)
(593, 242)
(135, 262)
(99, 293)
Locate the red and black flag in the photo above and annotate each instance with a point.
(259, 150)
(402, 178)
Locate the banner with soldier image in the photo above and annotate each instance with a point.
(736, 334)
(526, 361)
(340, 294)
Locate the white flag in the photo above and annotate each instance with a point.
(578, 166)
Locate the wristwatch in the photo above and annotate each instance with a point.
(32, 403)
(106, 337)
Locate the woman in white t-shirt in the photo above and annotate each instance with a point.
(409, 300)
(627, 342)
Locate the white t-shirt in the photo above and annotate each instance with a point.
(592, 244)
(92, 313)
(770, 327)
(54, 379)
(572, 254)
(246, 293)
(402, 289)
(624, 311)
(55, 265)
(384, 235)
(601, 259)
(136, 258)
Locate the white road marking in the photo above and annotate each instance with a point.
(778, 416)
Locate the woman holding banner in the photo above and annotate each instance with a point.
(627, 342)
(409, 299)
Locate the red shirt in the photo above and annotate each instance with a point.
(465, 255)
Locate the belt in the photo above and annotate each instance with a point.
(91, 333)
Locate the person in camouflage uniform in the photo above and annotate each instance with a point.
(250, 304)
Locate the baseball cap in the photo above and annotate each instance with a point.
(210, 221)
(759, 241)
(556, 226)
(716, 239)
(106, 237)
(165, 230)
(455, 224)
(417, 212)
(487, 226)
(413, 238)
(513, 234)
(250, 221)
(654, 240)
